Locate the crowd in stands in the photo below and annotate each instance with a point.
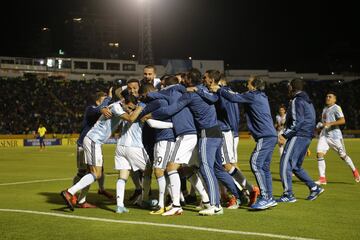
(59, 105)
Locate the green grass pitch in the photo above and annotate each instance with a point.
(334, 215)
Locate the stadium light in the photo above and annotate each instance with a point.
(77, 20)
(50, 62)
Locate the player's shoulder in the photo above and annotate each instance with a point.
(337, 107)
(117, 107)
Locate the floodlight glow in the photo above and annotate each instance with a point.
(50, 63)
(60, 63)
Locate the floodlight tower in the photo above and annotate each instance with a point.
(146, 55)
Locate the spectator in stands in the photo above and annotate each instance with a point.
(66, 102)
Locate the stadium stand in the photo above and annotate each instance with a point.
(59, 104)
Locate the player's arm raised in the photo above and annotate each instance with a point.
(134, 115)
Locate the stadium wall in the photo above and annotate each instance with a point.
(15, 141)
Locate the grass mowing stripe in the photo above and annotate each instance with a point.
(157, 224)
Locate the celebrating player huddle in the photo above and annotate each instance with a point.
(195, 122)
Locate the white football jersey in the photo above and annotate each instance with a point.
(104, 127)
(131, 135)
(331, 114)
(280, 122)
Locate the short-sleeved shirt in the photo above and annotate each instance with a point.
(104, 127)
(41, 131)
(331, 114)
(280, 121)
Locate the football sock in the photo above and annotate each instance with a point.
(162, 186)
(120, 192)
(321, 166)
(350, 163)
(240, 178)
(196, 182)
(175, 187)
(84, 181)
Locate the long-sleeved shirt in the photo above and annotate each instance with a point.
(257, 110)
(220, 105)
(300, 117)
(160, 134)
(183, 120)
(92, 114)
(204, 112)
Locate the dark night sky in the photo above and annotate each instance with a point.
(303, 36)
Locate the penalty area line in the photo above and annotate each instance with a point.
(205, 229)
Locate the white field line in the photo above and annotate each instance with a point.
(43, 180)
(157, 224)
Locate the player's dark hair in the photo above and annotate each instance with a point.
(282, 106)
(130, 99)
(258, 83)
(181, 74)
(124, 93)
(163, 77)
(151, 66)
(98, 95)
(297, 84)
(194, 75)
(214, 74)
(331, 92)
(146, 88)
(133, 80)
(171, 80)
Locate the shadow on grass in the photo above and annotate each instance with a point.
(94, 198)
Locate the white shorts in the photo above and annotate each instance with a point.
(236, 143)
(93, 153)
(183, 149)
(162, 153)
(227, 149)
(131, 158)
(337, 144)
